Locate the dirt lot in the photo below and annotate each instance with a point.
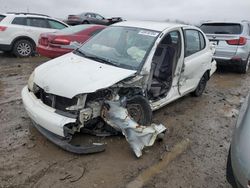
(27, 159)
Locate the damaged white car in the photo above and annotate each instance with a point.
(115, 80)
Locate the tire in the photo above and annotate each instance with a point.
(201, 86)
(23, 48)
(229, 171)
(140, 110)
(85, 22)
(243, 68)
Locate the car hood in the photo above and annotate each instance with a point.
(71, 74)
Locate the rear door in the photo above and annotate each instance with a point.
(196, 61)
(223, 35)
(42, 25)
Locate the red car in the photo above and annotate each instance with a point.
(59, 43)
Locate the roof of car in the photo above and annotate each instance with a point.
(21, 14)
(151, 25)
(226, 22)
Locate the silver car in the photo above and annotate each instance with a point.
(238, 165)
(91, 18)
(232, 40)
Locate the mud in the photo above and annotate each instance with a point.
(27, 159)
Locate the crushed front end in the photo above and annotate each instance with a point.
(101, 113)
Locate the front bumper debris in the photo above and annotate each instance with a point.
(138, 136)
(51, 125)
(65, 144)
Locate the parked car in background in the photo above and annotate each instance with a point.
(238, 164)
(232, 40)
(61, 42)
(19, 32)
(91, 18)
(129, 68)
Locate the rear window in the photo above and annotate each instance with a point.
(221, 28)
(2, 17)
(56, 25)
(74, 29)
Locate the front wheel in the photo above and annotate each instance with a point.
(139, 109)
(23, 48)
(201, 86)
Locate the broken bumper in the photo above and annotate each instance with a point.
(64, 143)
(43, 115)
(50, 124)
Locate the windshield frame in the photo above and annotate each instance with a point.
(139, 68)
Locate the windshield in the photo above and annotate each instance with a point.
(123, 47)
(1, 17)
(221, 28)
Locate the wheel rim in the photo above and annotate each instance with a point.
(135, 111)
(24, 49)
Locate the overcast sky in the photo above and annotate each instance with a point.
(187, 10)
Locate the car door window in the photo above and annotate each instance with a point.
(88, 15)
(99, 17)
(202, 41)
(192, 42)
(56, 25)
(19, 21)
(38, 22)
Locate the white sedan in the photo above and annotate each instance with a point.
(114, 81)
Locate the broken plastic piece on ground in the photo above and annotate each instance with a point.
(138, 136)
(64, 143)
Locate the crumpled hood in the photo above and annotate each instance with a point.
(71, 74)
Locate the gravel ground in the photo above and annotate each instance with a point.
(27, 159)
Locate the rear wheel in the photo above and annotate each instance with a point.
(85, 22)
(243, 68)
(23, 48)
(201, 86)
(140, 110)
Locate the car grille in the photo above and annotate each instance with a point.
(55, 101)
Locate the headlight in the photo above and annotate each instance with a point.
(31, 81)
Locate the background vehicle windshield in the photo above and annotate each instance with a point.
(124, 47)
(221, 28)
(1, 17)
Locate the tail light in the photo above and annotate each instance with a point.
(240, 41)
(2, 28)
(43, 41)
(60, 41)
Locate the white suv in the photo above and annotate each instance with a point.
(19, 32)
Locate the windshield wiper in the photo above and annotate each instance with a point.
(96, 58)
